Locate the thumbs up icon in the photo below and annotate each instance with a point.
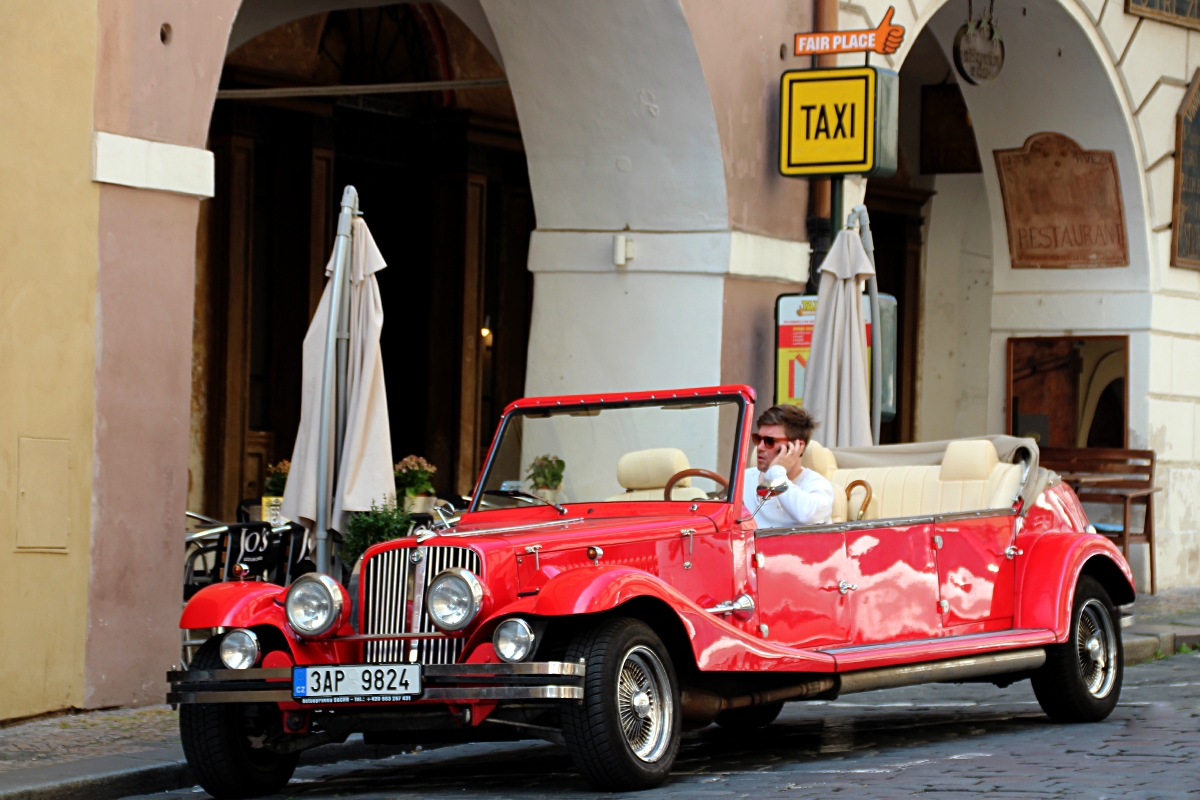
(888, 36)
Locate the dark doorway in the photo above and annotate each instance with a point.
(1067, 391)
(443, 186)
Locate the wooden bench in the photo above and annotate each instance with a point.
(1114, 476)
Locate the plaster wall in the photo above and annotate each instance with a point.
(161, 91)
(48, 217)
(955, 334)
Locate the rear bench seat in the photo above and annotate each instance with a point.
(970, 478)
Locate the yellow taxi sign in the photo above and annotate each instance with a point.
(838, 122)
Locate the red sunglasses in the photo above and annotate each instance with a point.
(770, 441)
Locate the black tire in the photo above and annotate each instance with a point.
(749, 719)
(1082, 683)
(215, 741)
(592, 729)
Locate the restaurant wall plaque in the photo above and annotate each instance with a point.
(1185, 13)
(1185, 210)
(1062, 205)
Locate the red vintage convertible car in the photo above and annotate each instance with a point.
(642, 600)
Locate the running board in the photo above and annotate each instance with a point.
(955, 669)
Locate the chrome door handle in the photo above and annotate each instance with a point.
(741, 606)
(1012, 551)
(845, 587)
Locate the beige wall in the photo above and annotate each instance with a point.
(738, 44)
(48, 211)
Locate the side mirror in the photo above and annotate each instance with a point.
(773, 488)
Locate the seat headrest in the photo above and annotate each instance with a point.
(819, 459)
(971, 460)
(651, 469)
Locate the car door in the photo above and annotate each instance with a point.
(975, 568)
(798, 571)
(894, 575)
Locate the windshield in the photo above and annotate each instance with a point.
(614, 452)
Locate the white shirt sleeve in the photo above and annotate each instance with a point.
(808, 501)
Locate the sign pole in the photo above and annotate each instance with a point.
(835, 204)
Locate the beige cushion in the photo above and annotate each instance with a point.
(651, 469)
(819, 459)
(971, 460)
(917, 491)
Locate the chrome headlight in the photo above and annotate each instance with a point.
(513, 639)
(314, 604)
(454, 598)
(239, 649)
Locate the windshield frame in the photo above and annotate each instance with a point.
(541, 405)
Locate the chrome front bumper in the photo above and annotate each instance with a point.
(535, 680)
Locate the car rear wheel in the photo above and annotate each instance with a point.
(624, 734)
(1081, 679)
(748, 719)
(223, 742)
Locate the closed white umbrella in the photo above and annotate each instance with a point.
(359, 411)
(836, 388)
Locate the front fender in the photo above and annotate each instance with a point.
(716, 644)
(1051, 566)
(249, 604)
(236, 604)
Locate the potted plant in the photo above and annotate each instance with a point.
(546, 475)
(272, 499)
(413, 483)
(365, 528)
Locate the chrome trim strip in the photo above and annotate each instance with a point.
(276, 696)
(965, 638)
(891, 522)
(572, 668)
(253, 674)
(510, 528)
(430, 693)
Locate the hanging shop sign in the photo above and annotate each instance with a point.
(839, 122)
(1185, 209)
(885, 40)
(978, 48)
(1062, 205)
(1186, 15)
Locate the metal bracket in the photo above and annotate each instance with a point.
(537, 559)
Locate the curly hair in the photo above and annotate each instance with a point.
(797, 422)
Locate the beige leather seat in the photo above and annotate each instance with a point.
(644, 474)
(820, 460)
(970, 478)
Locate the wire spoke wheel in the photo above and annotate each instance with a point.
(1096, 648)
(644, 703)
(624, 734)
(1081, 679)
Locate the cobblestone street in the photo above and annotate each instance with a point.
(950, 741)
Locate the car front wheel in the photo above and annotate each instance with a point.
(223, 742)
(624, 735)
(1081, 679)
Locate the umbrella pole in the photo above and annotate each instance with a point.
(859, 214)
(333, 376)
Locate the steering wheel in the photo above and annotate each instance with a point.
(850, 487)
(694, 471)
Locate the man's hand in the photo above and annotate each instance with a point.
(789, 457)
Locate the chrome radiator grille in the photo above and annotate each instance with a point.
(393, 602)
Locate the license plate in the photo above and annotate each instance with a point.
(357, 683)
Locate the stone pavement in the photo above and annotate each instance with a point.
(949, 741)
(70, 737)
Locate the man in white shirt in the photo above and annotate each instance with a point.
(783, 433)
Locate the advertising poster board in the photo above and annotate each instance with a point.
(795, 315)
